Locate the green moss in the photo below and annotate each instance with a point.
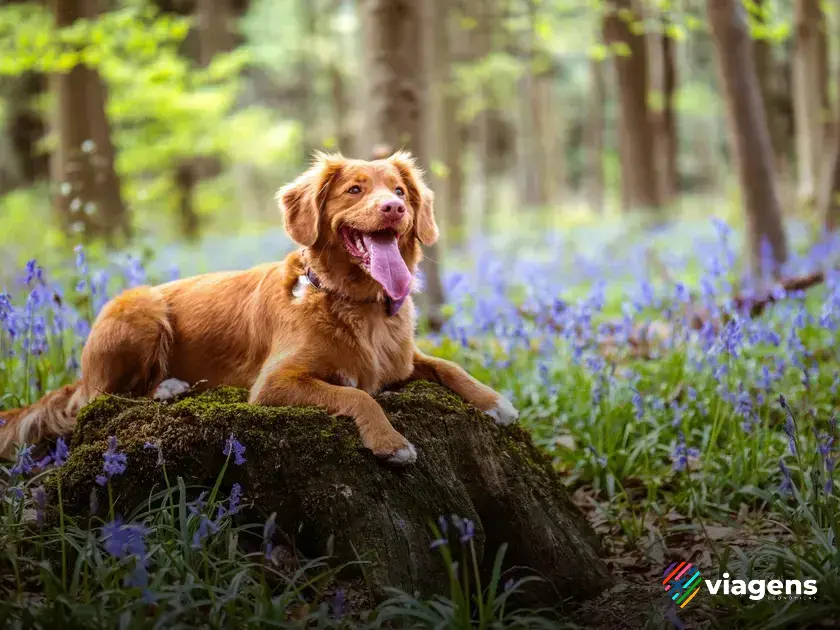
(312, 470)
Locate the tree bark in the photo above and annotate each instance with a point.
(638, 153)
(749, 136)
(89, 198)
(667, 150)
(397, 103)
(830, 201)
(594, 185)
(767, 70)
(445, 104)
(810, 75)
(21, 163)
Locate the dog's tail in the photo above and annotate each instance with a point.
(52, 416)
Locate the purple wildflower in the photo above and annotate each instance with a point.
(339, 606)
(115, 462)
(467, 530)
(124, 540)
(61, 452)
(787, 483)
(234, 446)
(638, 404)
(601, 459)
(681, 454)
(40, 498)
(205, 528)
(23, 463)
(268, 532)
(233, 502)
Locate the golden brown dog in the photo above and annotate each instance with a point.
(328, 326)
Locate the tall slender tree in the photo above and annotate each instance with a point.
(393, 32)
(810, 77)
(594, 184)
(444, 106)
(88, 188)
(667, 150)
(638, 146)
(749, 136)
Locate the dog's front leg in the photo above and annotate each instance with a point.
(290, 387)
(457, 379)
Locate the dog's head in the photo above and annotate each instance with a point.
(365, 216)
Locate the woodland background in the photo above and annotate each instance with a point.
(638, 202)
(132, 121)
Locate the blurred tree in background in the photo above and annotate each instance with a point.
(156, 120)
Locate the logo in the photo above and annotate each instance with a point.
(682, 582)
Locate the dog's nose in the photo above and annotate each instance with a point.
(393, 209)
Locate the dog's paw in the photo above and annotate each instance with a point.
(170, 388)
(503, 412)
(404, 456)
(395, 450)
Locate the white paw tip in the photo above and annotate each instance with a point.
(170, 388)
(504, 412)
(404, 456)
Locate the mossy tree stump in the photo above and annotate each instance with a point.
(310, 468)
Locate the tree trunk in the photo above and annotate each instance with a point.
(830, 197)
(638, 155)
(213, 34)
(341, 110)
(444, 104)
(397, 103)
(333, 498)
(766, 70)
(810, 74)
(88, 199)
(749, 137)
(308, 110)
(21, 163)
(830, 201)
(667, 149)
(594, 185)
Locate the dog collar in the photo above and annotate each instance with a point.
(392, 307)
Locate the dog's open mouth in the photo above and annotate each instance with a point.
(378, 253)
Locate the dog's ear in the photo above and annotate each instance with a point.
(419, 195)
(303, 200)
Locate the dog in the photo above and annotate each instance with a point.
(329, 326)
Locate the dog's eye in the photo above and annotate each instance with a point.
(399, 191)
(354, 190)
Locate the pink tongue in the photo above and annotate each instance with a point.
(386, 264)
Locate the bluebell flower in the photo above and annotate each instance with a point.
(681, 454)
(234, 446)
(339, 604)
(124, 540)
(39, 495)
(61, 452)
(268, 532)
(638, 404)
(467, 530)
(787, 483)
(23, 463)
(601, 459)
(115, 462)
(205, 527)
(233, 502)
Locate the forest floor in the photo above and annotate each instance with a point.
(687, 428)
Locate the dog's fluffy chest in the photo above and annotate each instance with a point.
(375, 352)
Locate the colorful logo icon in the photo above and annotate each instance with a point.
(682, 582)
